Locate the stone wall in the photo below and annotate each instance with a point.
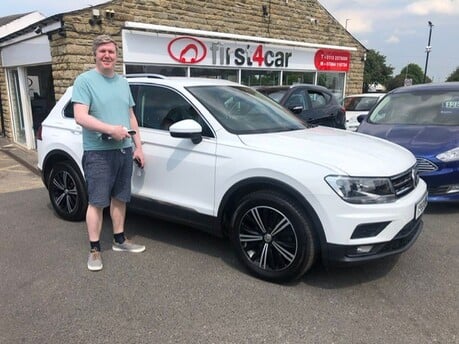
(6, 113)
(295, 20)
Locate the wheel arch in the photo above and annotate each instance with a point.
(55, 157)
(231, 199)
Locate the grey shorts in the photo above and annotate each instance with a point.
(108, 175)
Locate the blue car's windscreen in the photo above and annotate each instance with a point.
(418, 108)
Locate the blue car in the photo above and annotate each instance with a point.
(425, 120)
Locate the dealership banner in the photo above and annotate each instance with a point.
(160, 48)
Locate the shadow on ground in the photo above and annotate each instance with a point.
(320, 276)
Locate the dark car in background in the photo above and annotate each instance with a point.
(425, 120)
(311, 103)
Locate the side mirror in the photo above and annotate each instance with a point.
(361, 118)
(187, 128)
(296, 109)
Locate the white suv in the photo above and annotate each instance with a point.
(224, 158)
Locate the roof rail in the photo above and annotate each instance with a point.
(145, 75)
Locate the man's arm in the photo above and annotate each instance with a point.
(138, 151)
(83, 118)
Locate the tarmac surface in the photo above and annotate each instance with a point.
(27, 158)
(188, 287)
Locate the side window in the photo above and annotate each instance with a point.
(318, 99)
(68, 110)
(158, 107)
(135, 94)
(296, 100)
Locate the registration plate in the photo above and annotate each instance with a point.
(420, 206)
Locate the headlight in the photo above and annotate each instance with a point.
(451, 155)
(360, 190)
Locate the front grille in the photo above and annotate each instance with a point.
(405, 182)
(425, 166)
(440, 190)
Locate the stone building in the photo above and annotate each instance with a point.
(248, 41)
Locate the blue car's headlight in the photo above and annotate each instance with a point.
(448, 156)
(362, 190)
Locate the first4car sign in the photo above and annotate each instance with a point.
(165, 48)
(185, 49)
(249, 55)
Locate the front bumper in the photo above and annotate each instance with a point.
(348, 254)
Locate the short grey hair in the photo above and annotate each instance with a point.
(102, 39)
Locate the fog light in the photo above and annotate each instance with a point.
(453, 188)
(364, 249)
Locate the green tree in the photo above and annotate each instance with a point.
(413, 72)
(376, 70)
(395, 82)
(454, 76)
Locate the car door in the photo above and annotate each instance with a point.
(320, 111)
(176, 171)
(298, 103)
(309, 105)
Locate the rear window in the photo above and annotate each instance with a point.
(418, 108)
(276, 95)
(359, 103)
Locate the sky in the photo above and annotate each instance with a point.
(399, 30)
(396, 29)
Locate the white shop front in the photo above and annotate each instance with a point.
(248, 60)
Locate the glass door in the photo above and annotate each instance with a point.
(20, 108)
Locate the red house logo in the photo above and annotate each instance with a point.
(187, 49)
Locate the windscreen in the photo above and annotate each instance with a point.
(418, 108)
(241, 110)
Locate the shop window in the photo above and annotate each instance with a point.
(150, 69)
(334, 82)
(291, 78)
(213, 73)
(260, 77)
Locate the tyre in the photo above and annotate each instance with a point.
(273, 237)
(67, 192)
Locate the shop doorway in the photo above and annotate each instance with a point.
(19, 120)
(41, 93)
(31, 94)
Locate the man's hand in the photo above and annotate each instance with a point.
(119, 133)
(138, 157)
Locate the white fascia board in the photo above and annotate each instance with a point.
(20, 23)
(172, 29)
(44, 30)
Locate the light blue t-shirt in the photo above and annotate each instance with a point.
(109, 99)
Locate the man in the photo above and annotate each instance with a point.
(103, 106)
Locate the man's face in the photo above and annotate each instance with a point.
(106, 58)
